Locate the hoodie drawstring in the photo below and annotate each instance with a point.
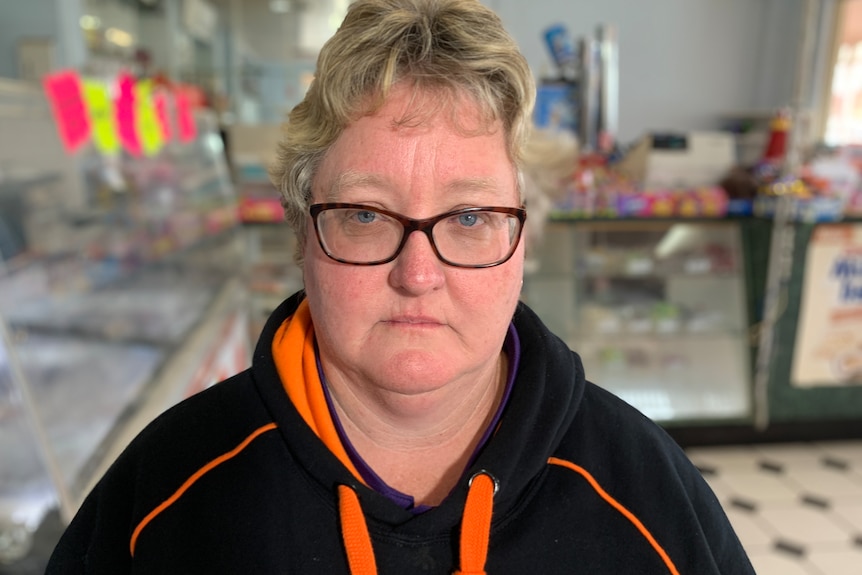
(476, 524)
(475, 528)
(354, 533)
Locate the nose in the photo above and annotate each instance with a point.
(417, 268)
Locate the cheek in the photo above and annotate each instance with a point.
(496, 292)
(337, 290)
(514, 279)
(512, 272)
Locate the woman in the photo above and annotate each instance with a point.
(405, 413)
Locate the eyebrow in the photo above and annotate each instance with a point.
(473, 185)
(351, 179)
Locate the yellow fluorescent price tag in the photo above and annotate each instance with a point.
(101, 110)
(146, 118)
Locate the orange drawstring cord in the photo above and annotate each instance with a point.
(354, 532)
(476, 525)
(475, 529)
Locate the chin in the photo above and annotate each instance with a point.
(416, 371)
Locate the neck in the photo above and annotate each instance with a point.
(419, 444)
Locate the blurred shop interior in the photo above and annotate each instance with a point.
(696, 170)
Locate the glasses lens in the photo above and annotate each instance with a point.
(470, 238)
(477, 238)
(357, 235)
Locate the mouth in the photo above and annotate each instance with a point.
(414, 321)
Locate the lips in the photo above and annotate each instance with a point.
(415, 320)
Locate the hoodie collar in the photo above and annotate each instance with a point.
(544, 399)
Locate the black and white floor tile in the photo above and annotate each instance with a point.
(796, 507)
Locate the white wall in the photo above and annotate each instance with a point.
(18, 20)
(267, 36)
(682, 62)
(164, 35)
(301, 32)
(71, 48)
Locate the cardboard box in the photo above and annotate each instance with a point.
(680, 160)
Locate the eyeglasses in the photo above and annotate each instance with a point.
(362, 235)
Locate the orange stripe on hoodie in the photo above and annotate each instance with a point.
(293, 352)
(192, 480)
(619, 507)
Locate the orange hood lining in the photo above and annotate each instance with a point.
(296, 363)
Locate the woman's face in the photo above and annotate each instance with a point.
(415, 324)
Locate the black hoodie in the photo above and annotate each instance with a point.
(232, 480)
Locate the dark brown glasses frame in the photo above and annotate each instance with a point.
(424, 225)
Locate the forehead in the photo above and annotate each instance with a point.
(411, 143)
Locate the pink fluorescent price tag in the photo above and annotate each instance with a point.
(64, 93)
(125, 110)
(185, 117)
(160, 101)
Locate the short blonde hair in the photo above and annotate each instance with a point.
(452, 46)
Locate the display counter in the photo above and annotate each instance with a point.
(712, 327)
(270, 244)
(120, 295)
(658, 310)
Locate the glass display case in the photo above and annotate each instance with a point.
(272, 274)
(270, 243)
(656, 309)
(120, 294)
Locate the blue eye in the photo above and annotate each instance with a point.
(366, 217)
(468, 220)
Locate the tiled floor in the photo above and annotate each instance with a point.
(796, 507)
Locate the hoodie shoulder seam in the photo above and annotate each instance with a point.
(193, 478)
(633, 519)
